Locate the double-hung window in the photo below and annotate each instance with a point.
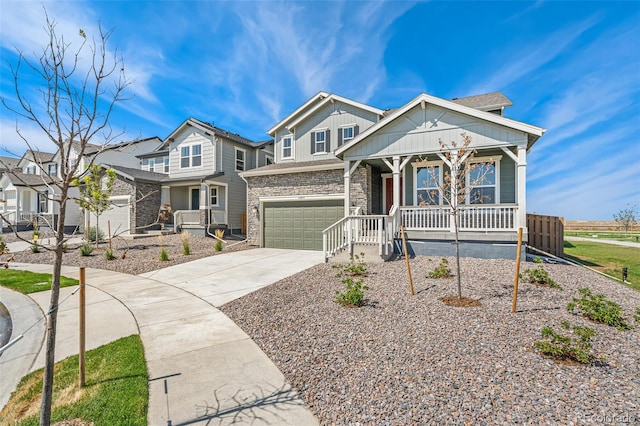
(165, 161)
(52, 169)
(191, 156)
(482, 181)
(152, 164)
(213, 192)
(287, 147)
(346, 133)
(240, 155)
(320, 141)
(428, 183)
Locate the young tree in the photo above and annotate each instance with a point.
(456, 187)
(626, 218)
(79, 89)
(94, 196)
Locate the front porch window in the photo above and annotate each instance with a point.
(482, 181)
(214, 196)
(428, 183)
(43, 202)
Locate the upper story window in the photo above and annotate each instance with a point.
(428, 183)
(287, 146)
(320, 141)
(165, 161)
(346, 133)
(152, 164)
(52, 169)
(190, 156)
(31, 170)
(483, 176)
(240, 155)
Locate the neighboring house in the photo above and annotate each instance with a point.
(27, 190)
(359, 173)
(195, 174)
(29, 194)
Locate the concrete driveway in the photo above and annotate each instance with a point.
(203, 368)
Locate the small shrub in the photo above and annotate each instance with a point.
(108, 254)
(164, 256)
(597, 308)
(441, 271)
(92, 234)
(186, 250)
(219, 233)
(3, 246)
(218, 246)
(354, 293)
(560, 346)
(355, 268)
(539, 276)
(35, 249)
(85, 250)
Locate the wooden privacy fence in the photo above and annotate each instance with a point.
(546, 233)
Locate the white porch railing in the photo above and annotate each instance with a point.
(357, 229)
(497, 217)
(218, 217)
(186, 217)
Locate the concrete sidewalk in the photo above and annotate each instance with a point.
(203, 368)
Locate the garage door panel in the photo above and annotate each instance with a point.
(299, 224)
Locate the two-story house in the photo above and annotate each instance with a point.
(30, 193)
(347, 174)
(194, 176)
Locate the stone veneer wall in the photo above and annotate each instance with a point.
(306, 183)
(146, 210)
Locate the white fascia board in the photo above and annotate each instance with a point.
(333, 98)
(314, 98)
(487, 116)
(289, 170)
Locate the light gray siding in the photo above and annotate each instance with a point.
(420, 130)
(330, 117)
(192, 136)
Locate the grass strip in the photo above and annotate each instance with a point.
(115, 392)
(607, 258)
(30, 282)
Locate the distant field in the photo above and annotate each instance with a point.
(595, 225)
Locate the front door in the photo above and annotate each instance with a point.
(388, 193)
(195, 198)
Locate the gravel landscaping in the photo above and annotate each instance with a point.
(140, 255)
(404, 359)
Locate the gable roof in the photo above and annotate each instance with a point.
(209, 129)
(534, 132)
(8, 163)
(308, 108)
(26, 179)
(486, 102)
(38, 156)
(93, 149)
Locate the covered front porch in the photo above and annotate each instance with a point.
(197, 206)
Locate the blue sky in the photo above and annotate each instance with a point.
(570, 67)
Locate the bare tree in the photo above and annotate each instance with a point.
(458, 187)
(79, 89)
(626, 218)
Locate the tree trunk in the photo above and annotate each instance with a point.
(52, 317)
(455, 226)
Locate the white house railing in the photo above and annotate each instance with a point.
(497, 217)
(357, 229)
(186, 217)
(218, 217)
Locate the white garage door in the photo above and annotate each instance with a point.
(117, 217)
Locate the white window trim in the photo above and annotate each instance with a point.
(492, 159)
(290, 136)
(190, 145)
(244, 159)
(217, 204)
(348, 126)
(324, 150)
(420, 164)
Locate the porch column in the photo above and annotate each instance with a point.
(347, 187)
(396, 181)
(521, 191)
(18, 205)
(165, 195)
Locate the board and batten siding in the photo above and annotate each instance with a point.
(331, 117)
(420, 130)
(192, 136)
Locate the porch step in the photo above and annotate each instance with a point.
(370, 254)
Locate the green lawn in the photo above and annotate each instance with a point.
(30, 282)
(609, 235)
(115, 392)
(607, 258)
